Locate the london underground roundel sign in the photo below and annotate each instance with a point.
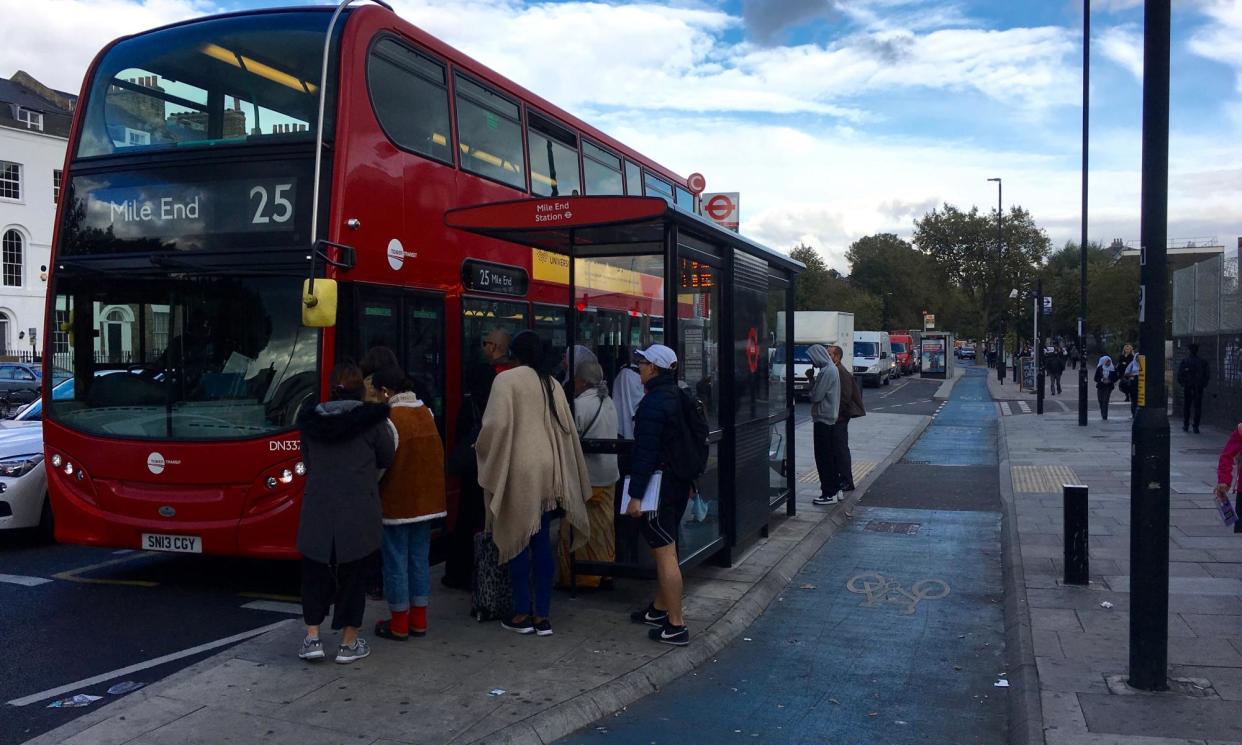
(696, 183)
(719, 207)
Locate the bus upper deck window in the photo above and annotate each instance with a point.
(240, 79)
(602, 170)
(410, 98)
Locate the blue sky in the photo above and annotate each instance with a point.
(834, 118)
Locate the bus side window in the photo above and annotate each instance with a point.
(633, 179)
(602, 170)
(655, 187)
(410, 98)
(489, 134)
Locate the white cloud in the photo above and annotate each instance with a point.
(1123, 45)
(55, 40)
(1221, 40)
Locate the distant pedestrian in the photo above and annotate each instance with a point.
(1105, 380)
(1193, 375)
(1123, 363)
(459, 561)
(825, 405)
(1054, 364)
(530, 466)
(660, 419)
(412, 496)
(851, 408)
(345, 444)
(1074, 354)
(1130, 382)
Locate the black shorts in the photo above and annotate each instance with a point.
(659, 528)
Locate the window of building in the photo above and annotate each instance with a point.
(11, 249)
(633, 179)
(60, 339)
(602, 170)
(489, 134)
(410, 97)
(655, 187)
(10, 180)
(553, 158)
(56, 177)
(32, 119)
(160, 316)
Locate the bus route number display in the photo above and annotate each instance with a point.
(173, 209)
(483, 276)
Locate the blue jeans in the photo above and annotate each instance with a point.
(407, 565)
(545, 570)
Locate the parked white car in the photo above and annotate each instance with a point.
(23, 501)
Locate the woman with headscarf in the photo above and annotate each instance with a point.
(596, 419)
(531, 465)
(1105, 379)
(459, 561)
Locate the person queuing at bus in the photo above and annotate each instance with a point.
(531, 465)
(851, 408)
(377, 357)
(1105, 379)
(627, 391)
(596, 419)
(411, 497)
(459, 560)
(496, 348)
(825, 404)
(345, 444)
(659, 410)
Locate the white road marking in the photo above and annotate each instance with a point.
(1004, 407)
(17, 579)
(1026, 408)
(85, 682)
(274, 606)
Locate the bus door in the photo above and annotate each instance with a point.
(409, 323)
(552, 325)
(603, 332)
(487, 327)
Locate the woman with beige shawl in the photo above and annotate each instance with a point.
(530, 465)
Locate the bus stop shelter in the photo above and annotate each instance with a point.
(640, 271)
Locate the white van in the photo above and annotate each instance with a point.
(874, 363)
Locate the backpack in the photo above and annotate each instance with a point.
(686, 450)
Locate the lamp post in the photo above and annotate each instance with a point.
(1149, 459)
(1000, 254)
(1082, 246)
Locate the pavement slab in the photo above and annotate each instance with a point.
(469, 682)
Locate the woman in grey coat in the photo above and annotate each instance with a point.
(345, 445)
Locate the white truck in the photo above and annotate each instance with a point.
(812, 327)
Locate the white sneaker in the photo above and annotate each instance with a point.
(821, 500)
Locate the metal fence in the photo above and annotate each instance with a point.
(1207, 298)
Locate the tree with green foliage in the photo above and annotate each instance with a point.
(821, 288)
(905, 280)
(964, 247)
(1112, 295)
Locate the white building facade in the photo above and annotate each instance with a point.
(34, 128)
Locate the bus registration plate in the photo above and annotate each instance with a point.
(183, 544)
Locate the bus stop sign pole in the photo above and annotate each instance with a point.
(1149, 460)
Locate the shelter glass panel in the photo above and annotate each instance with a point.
(698, 321)
(777, 359)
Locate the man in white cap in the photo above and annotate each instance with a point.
(659, 409)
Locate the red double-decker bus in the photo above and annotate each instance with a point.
(193, 198)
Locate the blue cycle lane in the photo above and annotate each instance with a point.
(893, 633)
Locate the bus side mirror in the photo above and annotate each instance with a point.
(319, 303)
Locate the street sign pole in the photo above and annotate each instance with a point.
(1082, 247)
(1149, 460)
(1039, 347)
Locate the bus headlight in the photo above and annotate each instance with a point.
(300, 469)
(286, 476)
(270, 483)
(57, 460)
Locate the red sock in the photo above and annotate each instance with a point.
(418, 619)
(400, 623)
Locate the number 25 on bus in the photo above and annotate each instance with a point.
(223, 175)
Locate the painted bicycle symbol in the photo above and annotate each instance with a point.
(879, 589)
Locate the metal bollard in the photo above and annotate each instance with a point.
(1077, 563)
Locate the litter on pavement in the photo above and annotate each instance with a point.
(496, 692)
(1002, 683)
(128, 686)
(74, 702)
(1106, 604)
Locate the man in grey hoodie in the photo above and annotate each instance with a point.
(825, 403)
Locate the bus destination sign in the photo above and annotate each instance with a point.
(483, 276)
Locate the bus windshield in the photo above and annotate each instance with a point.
(182, 357)
(229, 80)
